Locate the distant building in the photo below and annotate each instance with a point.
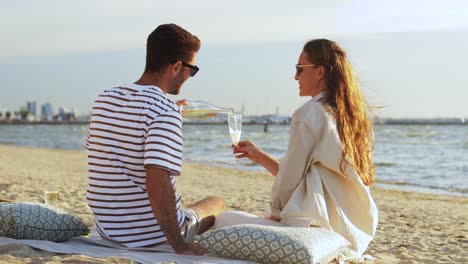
(31, 108)
(64, 115)
(47, 112)
(62, 110)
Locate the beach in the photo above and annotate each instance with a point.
(413, 227)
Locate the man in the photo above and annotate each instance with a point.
(135, 148)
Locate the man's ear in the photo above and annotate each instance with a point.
(174, 68)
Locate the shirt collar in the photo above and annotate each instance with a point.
(138, 87)
(141, 87)
(318, 97)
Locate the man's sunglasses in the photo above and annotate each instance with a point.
(193, 68)
(300, 67)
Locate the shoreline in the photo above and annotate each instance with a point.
(377, 122)
(381, 184)
(413, 227)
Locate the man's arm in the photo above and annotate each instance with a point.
(162, 198)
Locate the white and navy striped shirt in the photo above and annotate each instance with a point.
(131, 126)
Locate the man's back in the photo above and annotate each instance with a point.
(131, 126)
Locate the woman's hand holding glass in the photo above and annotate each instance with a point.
(247, 149)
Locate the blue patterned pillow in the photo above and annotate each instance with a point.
(274, 244)
(39, 222)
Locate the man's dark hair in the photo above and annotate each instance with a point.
(169, 43)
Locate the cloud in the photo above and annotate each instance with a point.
(55, 28)
(407, 16)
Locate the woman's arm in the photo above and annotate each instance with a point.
(247, 149)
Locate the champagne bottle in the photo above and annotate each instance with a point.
(200, 109)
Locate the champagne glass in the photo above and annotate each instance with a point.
(51, 195)
(235, 128)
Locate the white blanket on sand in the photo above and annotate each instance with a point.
(94, 246)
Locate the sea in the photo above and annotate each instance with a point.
(431, 158)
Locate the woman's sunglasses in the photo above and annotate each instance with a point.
(300, 67)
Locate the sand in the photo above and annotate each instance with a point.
(413, 227)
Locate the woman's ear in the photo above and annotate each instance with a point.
(321, 72)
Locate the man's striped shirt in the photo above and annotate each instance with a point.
(131, 126)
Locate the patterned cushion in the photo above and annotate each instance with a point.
(273, 244)
(38, 221)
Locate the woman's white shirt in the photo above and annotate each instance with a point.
(311, 190)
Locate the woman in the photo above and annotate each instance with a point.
(323, 178)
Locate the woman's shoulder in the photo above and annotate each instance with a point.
(311, 112)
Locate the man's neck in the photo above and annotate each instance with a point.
(152, 79)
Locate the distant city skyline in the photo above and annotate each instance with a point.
(408, 56)
(32, 106)
(33, 111)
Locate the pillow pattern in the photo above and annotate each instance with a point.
(274, 244)
(38, 221)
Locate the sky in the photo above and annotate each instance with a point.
(410, 56)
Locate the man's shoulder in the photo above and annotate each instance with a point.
(159, 99)
(149, 97)
(149, 94)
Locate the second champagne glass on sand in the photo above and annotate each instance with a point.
(51, 195)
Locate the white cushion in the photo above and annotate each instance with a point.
(274, 244)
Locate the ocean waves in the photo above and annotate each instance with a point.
(431, 158)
